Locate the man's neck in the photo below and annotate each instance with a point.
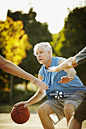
(49, 63)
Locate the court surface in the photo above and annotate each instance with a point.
(33, 123)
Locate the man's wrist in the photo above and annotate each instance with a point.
(70, 65)
(27, 102)
(31, 78)
(59, 68)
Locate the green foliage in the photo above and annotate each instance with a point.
(37, 32)
(13, 40)
(18, 95)
(4, 79)
(13, 45)
(72, 38)
(5, 108)
(74, 32)
(4, 97)
(18, 34)
(57, 43)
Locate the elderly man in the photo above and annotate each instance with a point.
(63, 98)
(80, 113)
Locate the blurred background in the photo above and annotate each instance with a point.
(25, 23)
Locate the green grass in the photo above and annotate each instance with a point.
(8, 108)
(5, 108)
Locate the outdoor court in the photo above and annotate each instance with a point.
(33, 123)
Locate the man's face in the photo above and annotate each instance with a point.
(42, 55)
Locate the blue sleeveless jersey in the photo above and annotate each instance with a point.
(52, 78)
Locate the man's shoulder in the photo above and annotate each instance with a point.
(42, 67)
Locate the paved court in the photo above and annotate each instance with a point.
(33, 123)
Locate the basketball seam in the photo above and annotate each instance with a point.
(23, 114)
(18, 110)
(20, 118)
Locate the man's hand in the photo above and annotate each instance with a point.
(25, 103)
(53, 69)
(65, 79)
(39, 83)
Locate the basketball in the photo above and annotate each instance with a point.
(20, 114)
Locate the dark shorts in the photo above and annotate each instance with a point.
(80, 113)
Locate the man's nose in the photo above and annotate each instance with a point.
(39, 55)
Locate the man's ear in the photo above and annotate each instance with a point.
(49, 52)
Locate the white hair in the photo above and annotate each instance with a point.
(45, 45)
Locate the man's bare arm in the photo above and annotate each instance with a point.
(71, 62)
(68, 63)
(34, 99)
(70, 74)
(13, 69)
(17, 71)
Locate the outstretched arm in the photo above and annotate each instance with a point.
(71, 62)
(17, 71)
(68, 63)
(70, 74)
(34, 99)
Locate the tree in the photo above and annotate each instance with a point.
(13, 42)
(74, 32)
(57, 43)
(37, 32)
(72, 38)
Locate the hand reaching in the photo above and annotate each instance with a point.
(65, 79)
(53, 69)
(25, 103)
(39, 83)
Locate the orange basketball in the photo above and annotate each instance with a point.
(20, 114)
